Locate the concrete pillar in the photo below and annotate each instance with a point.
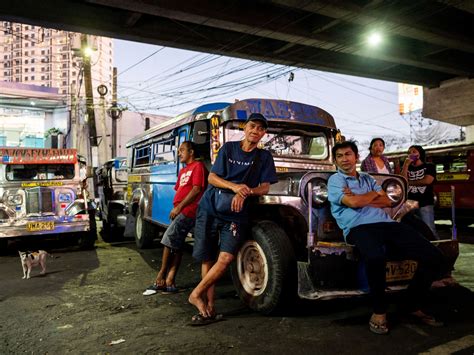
(470, 134)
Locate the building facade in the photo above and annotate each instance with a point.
(53, 58)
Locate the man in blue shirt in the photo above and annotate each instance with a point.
(357, 204)
(241, 170)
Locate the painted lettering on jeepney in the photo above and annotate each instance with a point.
(215, 143)
(37, 156)
(44, 183)
(272, 109)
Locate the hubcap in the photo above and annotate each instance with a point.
(252, 268)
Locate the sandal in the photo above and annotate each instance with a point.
(378, 328)
(199, 319)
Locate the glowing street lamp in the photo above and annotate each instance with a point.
(375, 39)
(88, 51)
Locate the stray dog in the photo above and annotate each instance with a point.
(32, 258)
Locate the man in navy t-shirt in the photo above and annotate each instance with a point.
(218, 233)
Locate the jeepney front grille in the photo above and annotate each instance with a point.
(39, 199)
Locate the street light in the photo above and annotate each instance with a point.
(88, 51)
(374, 39)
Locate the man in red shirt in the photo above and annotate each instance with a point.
(192, 181)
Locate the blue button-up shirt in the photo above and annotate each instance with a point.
(347, 217)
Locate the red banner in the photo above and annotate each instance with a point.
(37, 156)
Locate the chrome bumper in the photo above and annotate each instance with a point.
(61, 225)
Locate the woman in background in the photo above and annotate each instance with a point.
(376, 162)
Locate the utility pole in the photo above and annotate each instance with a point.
(93, 146)
(114, 115)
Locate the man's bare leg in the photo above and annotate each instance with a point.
(208, 281)
(160, 278)
(175, 262)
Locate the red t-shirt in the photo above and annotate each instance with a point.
(194, 174)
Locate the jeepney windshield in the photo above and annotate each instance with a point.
(21, 172)
(286, 141)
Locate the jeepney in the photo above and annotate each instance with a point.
(41, 193)
(295, 245)
(112, 186)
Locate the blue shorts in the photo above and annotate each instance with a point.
(213, 235)
(177, 231)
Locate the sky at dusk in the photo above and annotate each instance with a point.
(170, 81)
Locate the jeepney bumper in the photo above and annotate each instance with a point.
(334, 271)
(45, 225)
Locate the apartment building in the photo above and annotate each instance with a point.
(52, 58)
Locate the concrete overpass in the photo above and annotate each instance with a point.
(430, 43)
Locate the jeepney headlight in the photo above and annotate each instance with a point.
(319, 191)
(394, 190)
(14, 200)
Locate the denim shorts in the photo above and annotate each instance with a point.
(177, 231)
(213, 235)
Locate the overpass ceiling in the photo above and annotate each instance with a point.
(426, 42)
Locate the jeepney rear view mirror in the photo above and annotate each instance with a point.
(200, 132)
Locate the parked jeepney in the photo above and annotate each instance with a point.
(112, 186)
(295, 245)
(41, 193)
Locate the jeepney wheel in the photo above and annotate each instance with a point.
(264, 271)
(3, 246)
(144, 232)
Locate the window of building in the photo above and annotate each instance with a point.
(42, 68)
(32, 77)
(26, 61)
(5, 57)
(32, 52)
(26, 53)
(64, 56)
(64, 74)
(32, 61)
(64, 65)
(64, 92)
(17, 79)
(32, 69)
(42, 52)
(26, 70)
(32, 43)
(64, 83)
(26, 28)
(17, 71)
(26, 78)
(26, 36)
(42, 77)
(26, 44)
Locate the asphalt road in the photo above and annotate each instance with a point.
(89, 299)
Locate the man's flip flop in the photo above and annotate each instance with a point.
(378, 328)
(169, 290)
(199, 320)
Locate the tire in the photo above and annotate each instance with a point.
(143, 232)
(264, 272)
(3, 246)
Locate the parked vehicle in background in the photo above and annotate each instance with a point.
(112, 186)
(454, 167)
(42, 193)
(294, 245)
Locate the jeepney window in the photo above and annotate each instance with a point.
(450, 163)
(142, 156)
(164, 152)
(286, 141)
(20, 172)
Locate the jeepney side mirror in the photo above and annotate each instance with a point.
(200, 132)
(89, 172)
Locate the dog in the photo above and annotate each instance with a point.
(29, 259)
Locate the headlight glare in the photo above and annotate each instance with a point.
(319, 192)
(394, 190)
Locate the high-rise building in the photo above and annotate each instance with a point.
(53, 58)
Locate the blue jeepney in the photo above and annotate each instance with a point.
(294, 244)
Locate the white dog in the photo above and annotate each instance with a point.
(32, 258)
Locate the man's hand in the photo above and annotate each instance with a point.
(347, 191)
(174, 212)
(237, 203)
(242, 190)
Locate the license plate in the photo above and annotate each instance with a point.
(39, 226)
(400, 270)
